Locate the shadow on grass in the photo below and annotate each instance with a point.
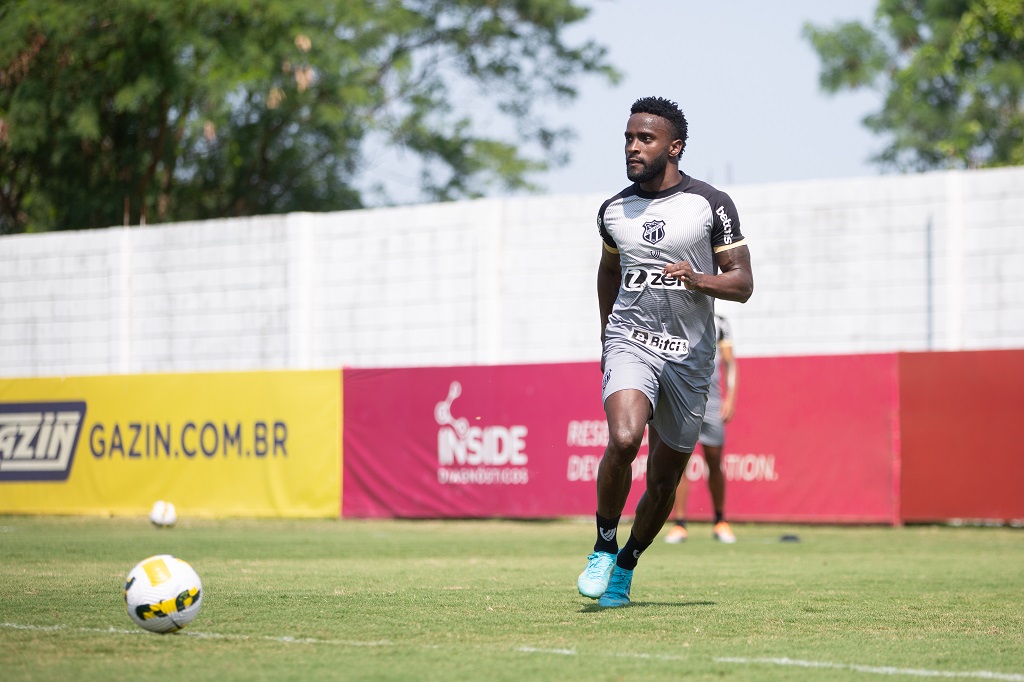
(593, 608)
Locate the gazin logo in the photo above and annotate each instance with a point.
(38, 440)
(477, 454)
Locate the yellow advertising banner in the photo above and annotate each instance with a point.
(217, 444)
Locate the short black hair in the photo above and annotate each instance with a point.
(666, 109)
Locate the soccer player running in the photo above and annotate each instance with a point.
(719, 411)
(672, 244)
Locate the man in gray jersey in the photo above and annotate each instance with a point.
(672, 244)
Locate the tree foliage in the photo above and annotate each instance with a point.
(133, 110)
(952, 72)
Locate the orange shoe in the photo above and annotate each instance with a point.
(676, 535)
(723, 533)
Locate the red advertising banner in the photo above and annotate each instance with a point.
(814, 440)
(471, 441)
(963, 436)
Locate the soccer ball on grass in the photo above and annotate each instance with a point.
(163, 593)
(163, 514)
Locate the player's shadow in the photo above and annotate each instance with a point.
(592, 608)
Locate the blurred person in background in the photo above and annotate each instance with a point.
(720, 410)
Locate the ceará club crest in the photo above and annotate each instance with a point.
(654, 231)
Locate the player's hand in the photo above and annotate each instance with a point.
(684, 271)
(728, 411)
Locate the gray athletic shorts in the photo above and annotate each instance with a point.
(712, 431)
(677, 400)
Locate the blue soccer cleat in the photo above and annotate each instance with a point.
(593, 581)
(617, 593)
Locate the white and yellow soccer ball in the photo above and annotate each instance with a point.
(163, 593)
(163, 514)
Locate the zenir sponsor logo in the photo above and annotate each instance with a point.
(635, 279)
(38, 440)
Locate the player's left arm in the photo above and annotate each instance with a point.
(735, 282)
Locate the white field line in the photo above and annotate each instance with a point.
(878, 670)
(868, 669)
(197, 635)
(573, 652)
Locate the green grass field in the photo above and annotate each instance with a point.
(496, 600)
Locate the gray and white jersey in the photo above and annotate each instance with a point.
(649, 230)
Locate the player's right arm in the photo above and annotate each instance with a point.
(609, 274)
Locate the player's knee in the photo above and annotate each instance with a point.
(625, 441)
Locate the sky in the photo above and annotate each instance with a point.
(740, 70)
(743, 75)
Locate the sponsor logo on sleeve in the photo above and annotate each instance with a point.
(726, 224)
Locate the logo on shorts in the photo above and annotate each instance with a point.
(662, 342)
(38, 440)
(606, 379)
(654, 231)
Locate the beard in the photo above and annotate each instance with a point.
(648, 171)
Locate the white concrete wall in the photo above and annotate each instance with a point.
(840, 266)
(844, 266)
